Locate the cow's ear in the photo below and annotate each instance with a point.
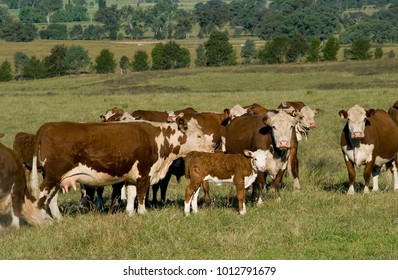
(316, 111)
(370, 112)
(247, 153)
(1, 135)
(227, 113)
(182, 124)
(343, 114)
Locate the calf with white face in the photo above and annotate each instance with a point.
(370, 138)
(240, 170)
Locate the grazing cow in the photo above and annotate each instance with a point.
(222, 168)
(16, 202)
(273, 131)
(370, 138)
(393, 111)
(302, 128)
(100, 154)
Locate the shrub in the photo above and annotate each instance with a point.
(5, 71)
(200, 59)
(378, 53)
(313, 50)
(219, 52)
(140, 61)
(331, 49)
(248, 51)
(105, 62)
(124, 64)
(76, 58)
(360, 49)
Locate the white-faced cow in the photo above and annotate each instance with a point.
(222, 168)
(302, 128)
(100, 154)
(370, 138)
(273, 131)
(16, 201)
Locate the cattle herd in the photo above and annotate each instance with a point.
(141, 151)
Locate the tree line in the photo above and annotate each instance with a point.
(216, 51)
(166, 19)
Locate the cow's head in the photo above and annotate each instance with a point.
(194, 138)
(357, 119)
(259, 159)
(282, 126)
(111, 115)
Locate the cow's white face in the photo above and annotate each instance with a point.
(237, 111)
(282, 128)
(259, 159)
(356, 118)
(196, 139)
(307, 117)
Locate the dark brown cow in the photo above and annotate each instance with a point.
(370, 138)
(273, 131)
(222, 168)
(393, 111)
(16, 202)
(99, 154)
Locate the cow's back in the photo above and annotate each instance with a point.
(384, 133)
(247, 132)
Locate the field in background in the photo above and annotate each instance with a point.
(320, 222)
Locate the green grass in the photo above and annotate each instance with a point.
(320, 222)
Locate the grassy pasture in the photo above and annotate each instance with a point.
(320, 222)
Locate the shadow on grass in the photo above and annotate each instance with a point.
(342, 187)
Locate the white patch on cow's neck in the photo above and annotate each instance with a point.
(359, 155)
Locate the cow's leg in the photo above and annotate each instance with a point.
(155, 189)
(375, 174)
(241, 193)
(394, 170)
(351, 175)
(367, 174)
(258, 186)
(142, 189)
(131, 195)
(206, 189)
(53, 204)
(276, 183)
(164, 183)
(100, 199)
(294, 167)
(194, 202)
(189, 193)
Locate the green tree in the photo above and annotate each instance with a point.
(331, 49)
(124, 64)
(34, 69)
(158, 60)
(297, 48)
(105, 62)
(5, 71)
(313, 51)
(200, 59)
(20, 60)
(274, 51)
(378, 52)
(76, 58)
(55, 31)
(248, 51)
(77, 32)
(140, 61)
(55, 62)
(360, 49)
(219, 52)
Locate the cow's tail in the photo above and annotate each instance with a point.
(34, 174)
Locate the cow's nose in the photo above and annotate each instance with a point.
(357, 134)
(283, 144)
(312, 125)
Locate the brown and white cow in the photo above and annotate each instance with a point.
(273, 131)
(303, 126)
(176, 168)
(240, 170)
(100, 154)
(16, 202)
(370, 138)
(393, 111)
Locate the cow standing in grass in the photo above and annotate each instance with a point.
(369, 138)
(100, 154)
(240, 170)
